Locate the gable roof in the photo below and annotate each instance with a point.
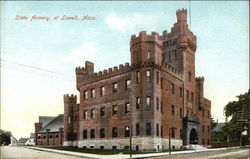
(54, 124)
(45, 120)
(218, 127)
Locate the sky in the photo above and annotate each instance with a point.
(39, 57)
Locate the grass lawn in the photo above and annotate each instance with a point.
(97, 151)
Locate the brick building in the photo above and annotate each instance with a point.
(154, 98)
(49, 131)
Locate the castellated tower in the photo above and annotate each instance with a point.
(71, 120)
(156, 100)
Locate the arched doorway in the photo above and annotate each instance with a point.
(193, 137)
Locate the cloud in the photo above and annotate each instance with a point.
(132, 21)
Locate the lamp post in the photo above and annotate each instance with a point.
(169, 140)
(130, 140)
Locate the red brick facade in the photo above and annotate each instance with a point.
(156, 95)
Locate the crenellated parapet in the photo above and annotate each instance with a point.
(106, 73)
(144, 37)
(70, 98)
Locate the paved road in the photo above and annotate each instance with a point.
(228, 154)
(9, 152)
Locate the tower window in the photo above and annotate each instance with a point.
(157, 77)
(102, 91)
(148, 75)
(138, 102)
(138, 77)
(93, 93)
(148, 102)
(137, 129)
(86, 94)
(175, 55)
(192, 96)
(102, 111)
(148, 55)
(114, 110)
(189, 76)
(157, 103)
(92, 113)
(187, 94)
(172, 110)
(172, 88)
(115, 87)
(85, 114)
(127, 107)
(127, 84)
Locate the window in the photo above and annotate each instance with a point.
(161, 131)
(203, 112)
(127, 107)
(172, 88)
(157, 103)
(85, 114)
(92, 93)
(127, 131)
(192, 96)
(175, 55)
(208, 141)
(50, 136)
(161, 107)
(39, 137)
(187, 94)
(148, 102)
(172, 132)
(138, 102)
(157, 129)
(138, 77)
(148, 128)
(127, 84)
(148, 55)
(161, 83)
(148, 74)
(102, 91)
(137, 129)
(68, 119)
(189, 76)
(44, 137)
(57, 136)
(115, 87)
(92, 113)
(85, 134)
(180, 112)
(85, 94)
(92, 133)
(157, 77)
(102, 111)
(208, 129)
(180, 91)
(172, 109)
(114, 132)
(102, 133)
(169, 56)
(114, 110)
(114, 147)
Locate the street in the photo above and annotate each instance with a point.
(14, 152)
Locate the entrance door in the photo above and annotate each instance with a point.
(193, 137)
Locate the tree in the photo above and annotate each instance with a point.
(213, 123)
(4, 138)
(234, 111)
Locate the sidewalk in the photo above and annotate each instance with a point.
(125, 156)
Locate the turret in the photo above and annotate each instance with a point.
(69, 104)
(38, 127)
(181, 15)
(200, 86)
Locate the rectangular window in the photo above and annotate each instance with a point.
(115, 87)
(148, 75)
(187, 94)
(181, 91)
(102, 111)
(180, 133)
(203, 112)
(161, 107)
(102, 133)
(114, 132)
(189, 76)
(92, 93)
(175, 55)
(114, 109)
(172, 88)
(157, 103)
(138, 77)
(102, 91)
(127, 84)
(161, 83)
(208, 129)
(137, 129)
(148, 55)
(157, 77)
(157, 129)
(148, 128)
(85, 94)
(85, 134)
(127, 107)
(85, 114)
(68, 119)
(181, 113)
(161, 131)
(172, 110)
(127, 131)
(138, 102)
(148, 102)
(92, 113)
(92, 133)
